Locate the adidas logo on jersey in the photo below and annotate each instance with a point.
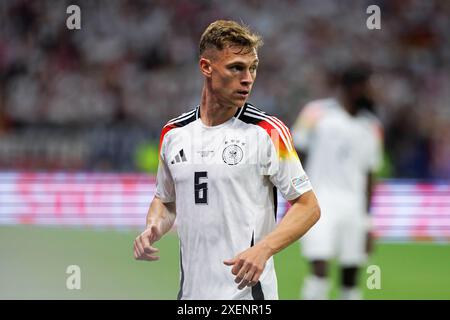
(180, 157)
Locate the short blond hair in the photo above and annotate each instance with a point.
(224, 33)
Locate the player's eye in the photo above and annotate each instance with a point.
(253, 68)
(236, 68)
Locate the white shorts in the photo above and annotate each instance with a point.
(338, 234)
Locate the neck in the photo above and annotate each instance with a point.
(345, 102)
(213, 113)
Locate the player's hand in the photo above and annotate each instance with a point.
(249, 265)
(370, 242)
(143, 249)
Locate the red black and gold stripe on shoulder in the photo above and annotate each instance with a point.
(275, 128)
(179, 122)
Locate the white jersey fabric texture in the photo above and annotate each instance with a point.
(342, 150)
(223, 180)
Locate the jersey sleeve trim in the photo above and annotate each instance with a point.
(275, 128)
(165, 130)
(178, 122)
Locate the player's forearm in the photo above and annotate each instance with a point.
(161, 214)
(302, 215)
(369, 191)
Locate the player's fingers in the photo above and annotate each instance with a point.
(247, 278)
(139, 246)
(251, 270)
(144, 253)
(151, 257)
(229, 262)
(253, 277)
(241, 274)
(136, 251)
(148, 257)
(243, 284)
(145, 241)
(237, 267)
(150, 250)
(136, 248)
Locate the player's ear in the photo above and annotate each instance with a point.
(205, 66)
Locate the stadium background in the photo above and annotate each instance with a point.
(81, 112)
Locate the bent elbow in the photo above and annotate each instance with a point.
(316, 213)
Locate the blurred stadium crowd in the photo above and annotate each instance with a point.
(89, 99)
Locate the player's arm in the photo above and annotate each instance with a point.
(369, 193)
(302, 215)
(286, 173)
(369, 190)
(160, 219)
(161, 213)
(375, 161)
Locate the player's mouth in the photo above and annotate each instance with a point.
(243, 93)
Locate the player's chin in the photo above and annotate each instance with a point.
(243, 95)
(239, 100)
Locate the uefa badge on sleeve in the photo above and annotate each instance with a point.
(298, 182)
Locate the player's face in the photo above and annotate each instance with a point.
(361, 96)
(233, 72)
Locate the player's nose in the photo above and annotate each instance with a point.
(247, 79)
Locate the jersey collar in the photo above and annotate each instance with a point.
(237, 115)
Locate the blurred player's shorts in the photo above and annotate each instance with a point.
(339, 234)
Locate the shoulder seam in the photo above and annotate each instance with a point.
(274, 122)
(275, 119)
(184, 119)
(182, 115)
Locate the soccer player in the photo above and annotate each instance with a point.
(342, 140)
(220, 167)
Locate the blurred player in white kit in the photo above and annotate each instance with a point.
(341, 141)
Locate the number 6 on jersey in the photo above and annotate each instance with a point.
(201, 189)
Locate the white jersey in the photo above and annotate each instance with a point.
(223, 180)
(341, 149)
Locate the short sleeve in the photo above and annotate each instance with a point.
(374, 141)
(282, 165)
(165, 188)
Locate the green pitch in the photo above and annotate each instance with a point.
(33, 263)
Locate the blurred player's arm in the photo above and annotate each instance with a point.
(160, 219)
(301, 139)
(302, 215)
(369, 193)
(303, 155)
(301, 132)
(375, 163)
